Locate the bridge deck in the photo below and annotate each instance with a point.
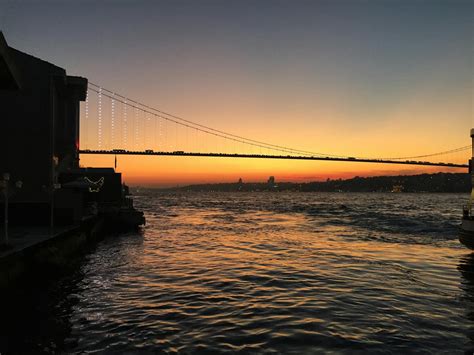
(263, 156)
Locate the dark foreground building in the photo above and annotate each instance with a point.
(39, 144)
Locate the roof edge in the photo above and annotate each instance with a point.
(8, 62)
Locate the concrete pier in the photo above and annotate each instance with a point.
(33, 247)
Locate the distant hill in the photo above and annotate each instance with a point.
(440, 182)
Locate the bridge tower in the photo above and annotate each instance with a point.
(472, 139)
(466, 235)
(471, 172)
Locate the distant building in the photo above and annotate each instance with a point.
(397, 188)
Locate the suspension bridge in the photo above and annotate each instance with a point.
(113, 124)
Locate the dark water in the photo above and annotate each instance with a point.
(272, 273)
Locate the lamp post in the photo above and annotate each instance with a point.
(6, 179)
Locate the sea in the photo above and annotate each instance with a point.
(263, 272)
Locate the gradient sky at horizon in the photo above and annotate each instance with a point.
(359, 78)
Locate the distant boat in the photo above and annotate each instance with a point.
(466, 233)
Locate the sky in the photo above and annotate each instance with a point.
(376, 78)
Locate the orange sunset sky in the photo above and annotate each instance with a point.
(352, 78)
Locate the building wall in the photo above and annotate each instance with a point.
(42, 114)
(25, 137)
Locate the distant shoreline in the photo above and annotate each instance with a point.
(438, 182)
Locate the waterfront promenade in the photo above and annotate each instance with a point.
(33, 247)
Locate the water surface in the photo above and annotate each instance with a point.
(276, 273)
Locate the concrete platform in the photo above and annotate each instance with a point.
(21, 238)
(36, 247)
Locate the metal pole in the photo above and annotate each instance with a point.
(51, 222)
(472, 142)
(6, 178)
(52, 161)
(472, 174)
(6, 213)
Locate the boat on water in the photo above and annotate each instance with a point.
(466, 232)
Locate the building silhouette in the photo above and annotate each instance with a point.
(39, 143)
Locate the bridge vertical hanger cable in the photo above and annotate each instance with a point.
(125, 126)
(158, 145)
(112, 123)
(86, 125)
(132, 127)
(164, 147)
(227, 137)
(135, 128)
(120, 120)
(99, 115)
(222, 134)
(139, 130)
(147, 130)
(155, 136)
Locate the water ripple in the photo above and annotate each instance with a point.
(278, 273)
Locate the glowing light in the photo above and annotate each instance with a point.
(124, 128)
(97, 184)
(99, 120)
(86, 119)
(112, 122)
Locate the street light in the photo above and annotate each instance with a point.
(6, 179)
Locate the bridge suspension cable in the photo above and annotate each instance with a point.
(131, 134)
(456, 150)
(190, 124)
(243, 140)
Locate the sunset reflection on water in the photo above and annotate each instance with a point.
(280, 272)
(270, 272)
